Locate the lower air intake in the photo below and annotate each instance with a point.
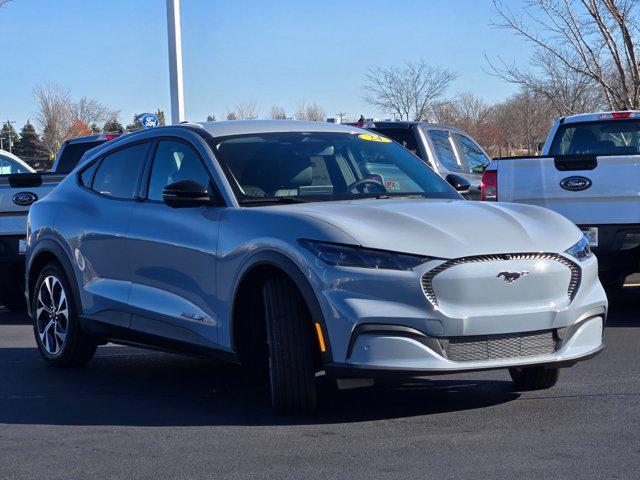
(492, 347)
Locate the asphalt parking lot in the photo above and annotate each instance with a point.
(140, 414)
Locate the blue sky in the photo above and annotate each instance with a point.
(275, 52)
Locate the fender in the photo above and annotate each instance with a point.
(284, 263)
(54, 248)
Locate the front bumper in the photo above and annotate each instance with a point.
(380, 350)
(384, 321)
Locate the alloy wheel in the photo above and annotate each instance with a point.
(52, 315)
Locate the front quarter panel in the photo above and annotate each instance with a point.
(247, 233)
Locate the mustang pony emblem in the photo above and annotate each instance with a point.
(511, 277)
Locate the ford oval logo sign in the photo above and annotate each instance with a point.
(575, 184)
(24, 199)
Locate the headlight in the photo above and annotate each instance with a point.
(350, 256)
(580, 250)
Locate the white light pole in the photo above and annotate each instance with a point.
(175, 61)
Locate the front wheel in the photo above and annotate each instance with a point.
(59, 337)
(534, 378)
(291, 359)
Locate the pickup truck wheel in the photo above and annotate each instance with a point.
(291, 365)
(534, 378)
(60, 339)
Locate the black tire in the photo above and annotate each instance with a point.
(291, 354)
(76, 348)
(534, 378)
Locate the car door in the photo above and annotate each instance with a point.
(474, 160)
(173, 251)
(98, 232)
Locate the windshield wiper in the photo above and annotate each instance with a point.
(409, 195)
(282, 200)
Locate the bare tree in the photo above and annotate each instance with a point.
(410, 91)
(3, 3)
(54, 115)
(90, 111)
(277, 113)
(525, 119)
(581, 46)
(247, 110)
(312, 112)
(232, 116)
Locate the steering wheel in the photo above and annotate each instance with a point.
(366, 181)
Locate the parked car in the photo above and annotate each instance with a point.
(448, 150)
(588, 172)
(274, 243)
(20, 186)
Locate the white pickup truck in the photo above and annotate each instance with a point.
(589, 171)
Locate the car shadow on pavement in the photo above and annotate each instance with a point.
(7, 317)
(134, 387)
(624, 307)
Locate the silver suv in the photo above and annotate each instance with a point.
(317, 250)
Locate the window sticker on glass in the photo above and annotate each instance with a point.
(373, 138)
(392, 185)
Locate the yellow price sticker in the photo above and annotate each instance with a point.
(373, 138)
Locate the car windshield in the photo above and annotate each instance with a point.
(613, 137)
(321, 166)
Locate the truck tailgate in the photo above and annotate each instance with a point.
(605, 190)
(15, 200)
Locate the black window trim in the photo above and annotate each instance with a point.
(143, 190)
(103, 155)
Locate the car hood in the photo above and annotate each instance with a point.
(446, 228)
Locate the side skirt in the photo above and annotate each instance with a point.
(134, 338)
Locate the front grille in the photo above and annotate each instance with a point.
(492, 347)
(574, 283)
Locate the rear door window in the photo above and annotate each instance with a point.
(444, 149)
(118, 173)
(476, 160)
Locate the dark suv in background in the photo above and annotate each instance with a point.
(448, 150)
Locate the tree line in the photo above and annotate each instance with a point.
(584, 58)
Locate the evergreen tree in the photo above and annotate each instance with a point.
(211, 118)
(9, 136)
(135, 124)
(29, 145)
(113, 126)
(95, 128)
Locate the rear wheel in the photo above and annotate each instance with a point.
(534, 378)
(291, 355)
(60, 339)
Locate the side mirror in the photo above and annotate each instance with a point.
(461, 184)
(186, 193)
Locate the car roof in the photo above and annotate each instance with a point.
(409, 123)
(597, 116)
(240, 127)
